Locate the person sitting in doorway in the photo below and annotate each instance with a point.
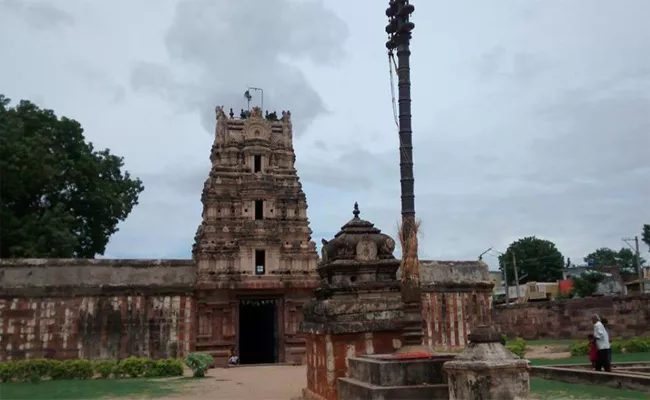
(602, 343)
(234, 358)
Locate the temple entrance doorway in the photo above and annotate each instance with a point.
(258, 331)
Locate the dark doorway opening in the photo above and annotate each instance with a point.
(259, 209)
(260, 262)
(257, 163)
(258, 331)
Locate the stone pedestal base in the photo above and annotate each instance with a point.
(387, 376)
(485, 380)
(486, 370)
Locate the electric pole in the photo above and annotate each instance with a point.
(399, 38)
(514, 264)
(637, 261)
(505, 278)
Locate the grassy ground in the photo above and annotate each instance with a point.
(553, 390)
(632, 357)
(143, 388)
(92, 389)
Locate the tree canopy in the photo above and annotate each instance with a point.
(645, 235)
(59, 197)
(606, 257)
(587, 284)
(538, 260)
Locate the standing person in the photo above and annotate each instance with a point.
(609, 336)
(602, 343)
(593, 351)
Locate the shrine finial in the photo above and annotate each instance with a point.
(356, 211)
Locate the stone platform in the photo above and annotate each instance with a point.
(385, 377)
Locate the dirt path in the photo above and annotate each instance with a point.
(276, 382)
(549, 352)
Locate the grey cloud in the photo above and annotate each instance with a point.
(352, 169)
(599, 135)
(498, 62)
(227, 46)
(38, 14)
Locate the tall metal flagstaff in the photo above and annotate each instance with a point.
(399, 38)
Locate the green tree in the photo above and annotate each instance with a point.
(538, 260)
(606, 257)
(58, 196)
(587, 284)
(645, 236)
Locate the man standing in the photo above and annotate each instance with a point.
(602, 343)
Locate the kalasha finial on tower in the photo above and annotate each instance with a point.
(356, 211)
(399, 27)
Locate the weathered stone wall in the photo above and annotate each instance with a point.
(570, 319)
(456, 297)
(96, 308)
(327, 358)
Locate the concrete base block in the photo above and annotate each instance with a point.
(352, 389)
(389, 377)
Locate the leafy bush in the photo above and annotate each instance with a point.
(39, 369)
(6, 372)
(634, 345)
(72, 369)
(565, 296)
(32, 370)
(105, 368)
(637, 345)
(132, 367)
(169, 367)
(580, 348)
(517, 346)
(198, 363)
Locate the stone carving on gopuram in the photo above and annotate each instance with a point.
(256, 260)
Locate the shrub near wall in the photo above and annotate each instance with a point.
(517, 346)
(634, 345)
(41, 369)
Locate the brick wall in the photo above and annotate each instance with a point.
(450, 316)
(569, 319)
(456, 297)
(327, 358)
(96, 327)
(96, 309)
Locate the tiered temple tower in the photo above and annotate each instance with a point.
(256, 260)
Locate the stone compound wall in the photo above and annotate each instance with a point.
(328, 358)
(96, 309)
(628, 316)
(457, 296)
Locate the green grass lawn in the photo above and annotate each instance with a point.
(631, 357)
(553, 390)
(91, 389)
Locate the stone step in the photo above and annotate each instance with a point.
(384, 370)
(352, 389)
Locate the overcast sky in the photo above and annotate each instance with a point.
(530, 117)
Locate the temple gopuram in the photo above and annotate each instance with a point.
(256, 261)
